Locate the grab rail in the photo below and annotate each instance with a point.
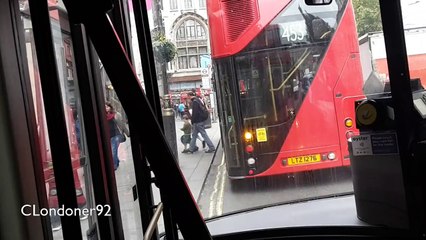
(153, 224)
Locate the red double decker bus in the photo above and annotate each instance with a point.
(286, 74)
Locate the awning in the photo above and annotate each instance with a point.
(190, 78)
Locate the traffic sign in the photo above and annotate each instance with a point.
(204, 71)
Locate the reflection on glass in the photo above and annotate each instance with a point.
(122, 160)
(372, 45)
(65, 63)
(40, 118)
(285, 105)
(72, 108)
(283, 130)
(73, 114)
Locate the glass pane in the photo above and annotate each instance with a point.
(186, 30)
(200, 32)
(202, 49)
(121, 147)
(123, 163)
(284, 97)
(282, 102)
(281, 93)
(202, 3)
(188, 4)
(182, 51)
(193, 60)
(286, 94)
(125, 175)
(183, 62)
(372, 46)
(173, 4)
(135, 46)
(190, 30)
(181, 32)
(415, 35)
(192, 50)
(73, 117)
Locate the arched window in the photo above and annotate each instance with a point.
(190, 29)
(191, 42)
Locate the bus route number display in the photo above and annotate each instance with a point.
(293, 32)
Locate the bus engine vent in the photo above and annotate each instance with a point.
(239, 15)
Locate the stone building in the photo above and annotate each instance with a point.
(185, 23)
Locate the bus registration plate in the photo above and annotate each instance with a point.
(300, 160)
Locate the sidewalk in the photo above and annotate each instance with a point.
(195, 166)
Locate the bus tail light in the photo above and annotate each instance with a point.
(348, 122)
(251, 161)
(349, 134)
(249, 148)
(248, 136)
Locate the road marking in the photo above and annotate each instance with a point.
(216, 198)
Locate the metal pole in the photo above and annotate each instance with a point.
(393, 31)
(153, 224)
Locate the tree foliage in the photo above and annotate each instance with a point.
(164, 49)
(367, 15)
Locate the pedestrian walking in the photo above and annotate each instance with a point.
(114, 133)
(199, 115)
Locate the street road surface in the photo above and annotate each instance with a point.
(219, 197)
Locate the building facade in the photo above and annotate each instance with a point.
(186, 25)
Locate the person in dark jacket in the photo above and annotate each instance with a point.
(198, 126)
(114, 133)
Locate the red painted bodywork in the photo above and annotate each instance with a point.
(45, 146)
(319, 126)
(220, 47)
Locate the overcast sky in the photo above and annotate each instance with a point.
(414, 13)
